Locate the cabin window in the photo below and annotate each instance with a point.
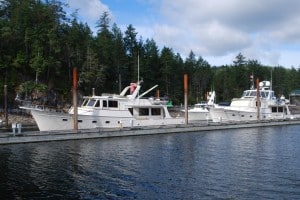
(80, 121)
(263, 94)
(130, 110)
(277, 109)
(97, 104)
(113, 104)
(84, 102)
(155, 111)
(104, 104)
(91, 102)
(110, 104)
(253, 94)
(143, 112)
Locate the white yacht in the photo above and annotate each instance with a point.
(200, 111)
(247, 108)
(127, 109)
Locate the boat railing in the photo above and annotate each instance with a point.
(33, 106)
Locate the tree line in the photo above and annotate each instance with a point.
(40, 45)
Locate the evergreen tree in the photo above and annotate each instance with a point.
(104, 46)
(118, 55)
(131, 47)
(150, 65)
(239, 60)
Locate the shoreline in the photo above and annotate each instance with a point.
(24, 119)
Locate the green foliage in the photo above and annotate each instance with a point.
(30, 88)
(239, 60)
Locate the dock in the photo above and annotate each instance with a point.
(29, 136)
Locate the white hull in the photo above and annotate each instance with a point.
(47, 121)
(229, 114)
(198, 116)
(218, 115)
(200, 111)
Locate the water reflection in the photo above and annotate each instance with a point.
(230, 164)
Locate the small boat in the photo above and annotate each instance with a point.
(247, 108)
(200, 111)
(127, 109)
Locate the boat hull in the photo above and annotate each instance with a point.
(54, 121)
(218, 115)
(198, 116)
(230, 114)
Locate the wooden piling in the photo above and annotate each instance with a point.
(75, 115)
(186, 98)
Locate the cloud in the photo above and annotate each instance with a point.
(218, 28)
(288, 32)
(89, 10)
(263, 30)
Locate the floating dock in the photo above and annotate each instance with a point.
(47, 136)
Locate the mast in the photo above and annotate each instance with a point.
(138, 67)
(271, 80)
(252, 81)
(5, 105)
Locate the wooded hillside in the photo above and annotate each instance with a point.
(40, 45)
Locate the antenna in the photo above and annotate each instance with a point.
(138, 70)
(138, 66)
(271, 80)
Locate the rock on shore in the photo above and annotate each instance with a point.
(23, 119)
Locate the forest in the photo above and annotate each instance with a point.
(40, 45)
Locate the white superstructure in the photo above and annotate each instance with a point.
(247, 108)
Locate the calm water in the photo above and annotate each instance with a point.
(258, 163)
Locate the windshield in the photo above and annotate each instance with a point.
(252, 93)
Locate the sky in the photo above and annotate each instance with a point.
(217, 30)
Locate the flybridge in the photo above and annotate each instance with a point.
(264, 91)
(262, 94)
